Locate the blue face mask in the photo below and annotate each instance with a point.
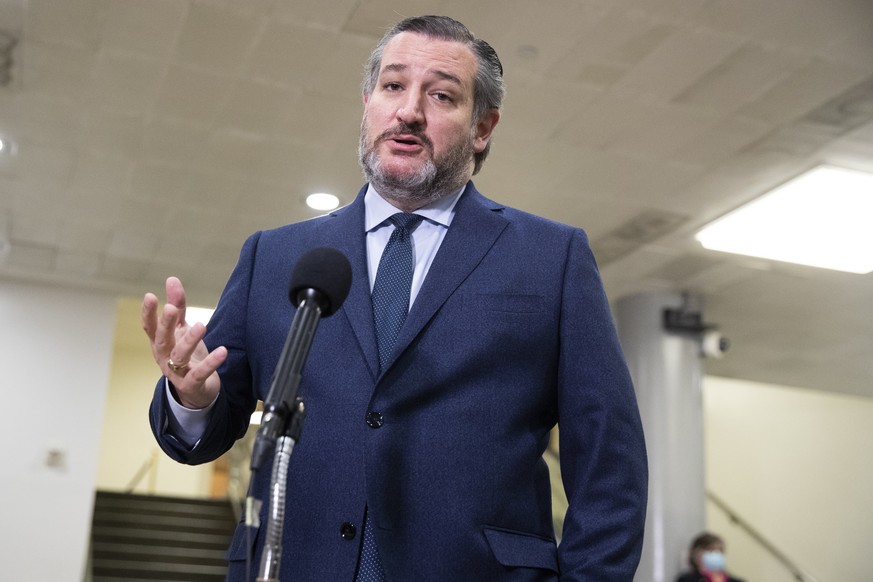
(713, 561)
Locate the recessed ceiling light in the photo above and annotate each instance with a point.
(7, 146)
(821, 219)
(322, 201)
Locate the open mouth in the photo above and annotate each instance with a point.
(406, 139)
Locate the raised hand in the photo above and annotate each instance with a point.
(178, 348)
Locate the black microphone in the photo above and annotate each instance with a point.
(320, 283)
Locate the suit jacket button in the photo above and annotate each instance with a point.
(348, 531)
(374, 419)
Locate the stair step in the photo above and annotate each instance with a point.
(126, 551)
(157, 505)
(127, 570)
(147, 538)
(158, 537)
(164, 522)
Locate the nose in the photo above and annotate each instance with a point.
(410, 111)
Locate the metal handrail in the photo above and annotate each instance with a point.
(149, 467)
(237, 487)
(799, 574)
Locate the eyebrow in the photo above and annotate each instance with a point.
(398, 67)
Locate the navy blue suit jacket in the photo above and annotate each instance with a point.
(510, 334)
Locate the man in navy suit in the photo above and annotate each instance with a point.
(432, 458)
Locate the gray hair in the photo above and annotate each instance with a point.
(488, 88)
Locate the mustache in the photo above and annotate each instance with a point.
(405, 129)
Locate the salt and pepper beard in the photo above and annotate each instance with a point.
(433, 180)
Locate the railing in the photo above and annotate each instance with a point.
(799, 574)
(149, 467)
(240, 457)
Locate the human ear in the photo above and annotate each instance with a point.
(484, 128)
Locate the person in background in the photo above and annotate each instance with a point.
(707, 560)
(431, 393)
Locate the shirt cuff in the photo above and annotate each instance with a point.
(186, 424)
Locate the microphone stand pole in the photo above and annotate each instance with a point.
(268, 571)
(281, 424)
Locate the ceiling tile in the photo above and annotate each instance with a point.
(40, 120)
(668, 128)
(311, 128)
(124, 268)
(374, 17)
(84, 237)
(124, 83)
(215, 38)
(46, 166)
(151, 32)
(726, 137)
(191, 95)
(77, 23)
(112, 133)
(257, 107)
(170, 140)
(741, 78)
(288, 54)
(100, 176)
(536, 114)
(806, 88)
(814, 25)
(619, 40)
(677, 63)
(158, 182)
(56, 71)
(80, 264)
(315, 13)
(31, 257)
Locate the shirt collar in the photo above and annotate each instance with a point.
(377, 209)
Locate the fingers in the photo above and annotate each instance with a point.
(186, 343)
(198, 385)
(149, 315)
(152, 324)
(165, 334)
(176, 296)
(200, 373)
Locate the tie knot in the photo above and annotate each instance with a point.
(405, 222)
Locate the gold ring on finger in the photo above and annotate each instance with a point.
(174, 366)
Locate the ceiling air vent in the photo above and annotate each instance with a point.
(847, 111)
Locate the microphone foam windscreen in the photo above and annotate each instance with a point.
(326, 270)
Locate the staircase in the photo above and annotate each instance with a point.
(148, 538)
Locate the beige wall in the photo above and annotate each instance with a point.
(797, 465)
(127, 440)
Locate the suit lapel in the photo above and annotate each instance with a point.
(476, 226)
(346, 234)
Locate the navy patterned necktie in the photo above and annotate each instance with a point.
(393, 283)
(390, 306)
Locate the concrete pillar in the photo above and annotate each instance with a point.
(667, 370)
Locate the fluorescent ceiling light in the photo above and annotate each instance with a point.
(322, 201)
(823, 218)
